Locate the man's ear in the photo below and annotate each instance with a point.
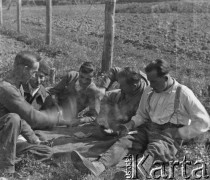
(166, 77)
(137, 84)
(25, 69)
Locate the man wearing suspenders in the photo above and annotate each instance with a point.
(168, 113)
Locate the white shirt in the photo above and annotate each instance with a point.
(160, 109)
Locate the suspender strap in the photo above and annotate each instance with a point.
(143, 76)
(148, 100)
(177, 98)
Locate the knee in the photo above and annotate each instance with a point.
(13, 119)
(126, 141)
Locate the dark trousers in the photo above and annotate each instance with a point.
(157, 140)
(10, 126)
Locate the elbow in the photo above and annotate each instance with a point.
(205, 124)
(208, 123)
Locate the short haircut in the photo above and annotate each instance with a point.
(44, 68)
(26, 58)
(161, 66)
(131, 74)
(87, 67)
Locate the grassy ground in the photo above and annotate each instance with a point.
(173, 31)
(181, 38)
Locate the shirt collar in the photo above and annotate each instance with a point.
(21, 90)
(172, 88)
(169, 90)
(33, 91)
(78, 87)
(41, 91)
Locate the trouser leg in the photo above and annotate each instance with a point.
(28, 133)
(9, 131)
(130, 143)
(162, 146)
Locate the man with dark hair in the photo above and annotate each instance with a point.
(16, 113)
(113, 76)
(34, 91)
(168, 113)
(76, 92)
(118, 106)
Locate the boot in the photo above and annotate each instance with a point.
(86, 166)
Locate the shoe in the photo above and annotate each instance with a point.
(86, 166)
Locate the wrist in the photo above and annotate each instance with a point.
(35, 141)
(130, 125)
(178, 134)
(59, 114)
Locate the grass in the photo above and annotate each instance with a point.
(172, 32)
(165, 7)
(181, 38)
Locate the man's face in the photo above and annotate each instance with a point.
(36, 81)
(85, 79)
(158, 84)
(29, 73)
(127, 88)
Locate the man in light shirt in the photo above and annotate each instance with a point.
(168, 114)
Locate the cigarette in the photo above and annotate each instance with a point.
(132, 132)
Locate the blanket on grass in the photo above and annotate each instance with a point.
(86, 138)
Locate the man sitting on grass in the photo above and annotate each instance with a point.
(77, 92)
(118, 106)
(34, 91)
(168, 113)
(16, 114)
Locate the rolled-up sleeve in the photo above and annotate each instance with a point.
(60, 86)
(12, 100)
(110, 78)
(200, 121)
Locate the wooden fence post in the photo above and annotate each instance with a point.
(52, 75)
(1, 13)
(19, 9)
(48, 21)
(107, 56)
(208, 89)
